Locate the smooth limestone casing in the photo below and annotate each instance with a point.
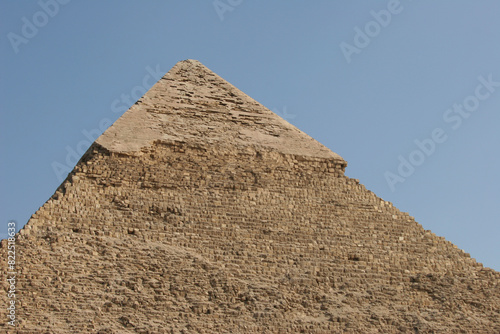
(231, 220)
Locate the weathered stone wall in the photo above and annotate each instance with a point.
(200, 238)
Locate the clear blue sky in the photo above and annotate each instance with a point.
(365, 78)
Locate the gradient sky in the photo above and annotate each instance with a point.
(372, 80)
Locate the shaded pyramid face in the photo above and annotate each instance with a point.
(200, 210)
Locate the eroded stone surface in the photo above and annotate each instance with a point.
(194, 105)
(166, 226)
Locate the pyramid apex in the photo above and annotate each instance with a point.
(189, 61)
(192, 104)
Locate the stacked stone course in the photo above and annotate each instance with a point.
(164, 228)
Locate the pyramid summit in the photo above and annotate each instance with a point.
(193, 105)
(201, 211)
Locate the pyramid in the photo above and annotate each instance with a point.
(201, 211)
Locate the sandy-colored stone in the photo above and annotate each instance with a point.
(191, 104)
(200, 211)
